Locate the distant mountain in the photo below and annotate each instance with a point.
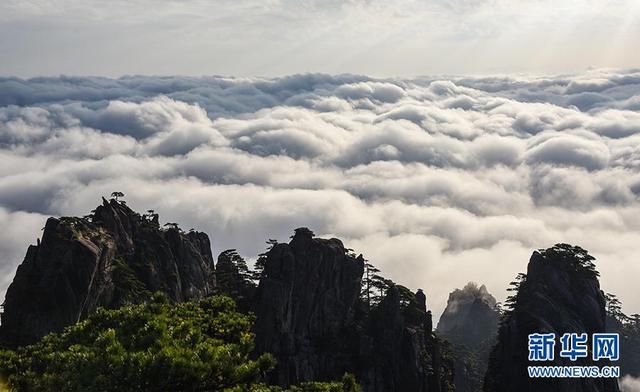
(471, 316)
(559, 294)
(470, 323)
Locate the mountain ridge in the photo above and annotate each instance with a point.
(309, 308)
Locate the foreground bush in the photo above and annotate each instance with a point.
(158, 346)
(153, 347)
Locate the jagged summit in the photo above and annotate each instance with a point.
(471, 314)
(559, 294)
(470, 323)
(316, 315)
(109, 258)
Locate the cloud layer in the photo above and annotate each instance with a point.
(437, 181)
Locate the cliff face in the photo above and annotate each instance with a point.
(113, 257)
(310, 316)
(311, 312)
(560, 294)
(306, 302)
(470, 317)
(470, 323)
(399, 351)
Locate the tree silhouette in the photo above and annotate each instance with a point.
(116, 195)
(233, 275)
(514, 286)
(614, 307)
(258, 268)
(172, 226)
(303, 231)
(374, 286)
(577, 258)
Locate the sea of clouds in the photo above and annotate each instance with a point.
(437, 181)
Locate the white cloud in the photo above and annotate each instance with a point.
(21, 229)
(438, 182)
(570, 150)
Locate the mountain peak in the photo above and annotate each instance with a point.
(559, 294)
(109, 258)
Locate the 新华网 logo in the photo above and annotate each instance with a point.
(573, 346)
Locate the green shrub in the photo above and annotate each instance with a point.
(156, 346)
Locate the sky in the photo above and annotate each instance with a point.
(436, 181)
(381, 38)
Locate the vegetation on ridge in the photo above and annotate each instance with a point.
(155, 346)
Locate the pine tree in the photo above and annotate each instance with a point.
(258, 268)
(374, 286)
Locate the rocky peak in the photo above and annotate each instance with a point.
(421, 300)
(302, 235)
(311, 316)
(112, 257)
(470, 323)
(118, 220)
(399, 351)
(471, 316)
(559, 294)
(306, 301)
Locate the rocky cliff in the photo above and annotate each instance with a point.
(560, 293)
(111, 257)
(311, 312)
(307, 298)
(470, 323)
(398, 351)
(311, 317)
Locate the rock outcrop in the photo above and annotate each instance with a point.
(399, 351)
(112, 257)
(311, 313)
(306, 304)
(311, 317)
(470, 323)
(471, 316)
(560, 294)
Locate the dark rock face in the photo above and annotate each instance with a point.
(309, 306)
(560, 294)
(399, 351)
(115, 257)
(310, 316)
(306, 302)
(470, 317)
(470, 323)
